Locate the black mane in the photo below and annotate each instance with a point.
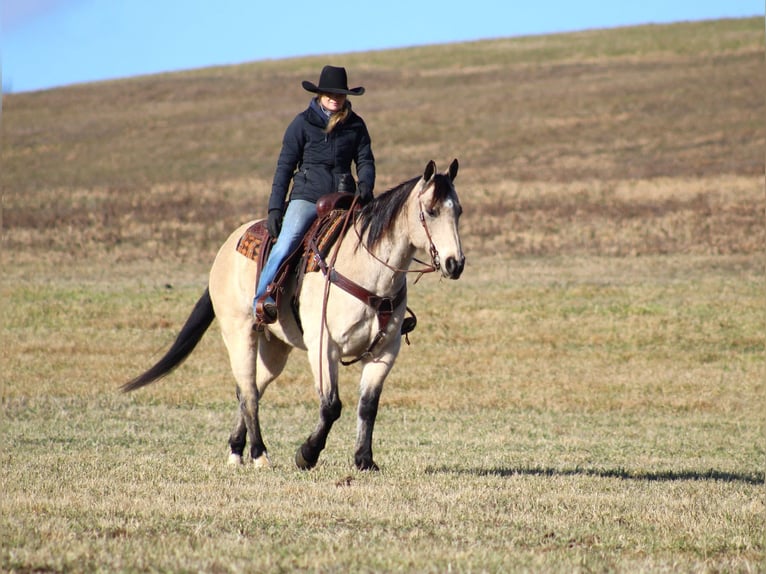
(378, 216)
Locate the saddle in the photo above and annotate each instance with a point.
(256, 243)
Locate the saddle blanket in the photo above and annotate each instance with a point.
(249, 244)
(325, 229)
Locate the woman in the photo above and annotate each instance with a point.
(317, 150)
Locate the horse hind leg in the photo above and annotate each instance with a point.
(248, 423)
(255, 362)
(238, 437)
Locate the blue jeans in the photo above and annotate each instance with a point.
(299, 216)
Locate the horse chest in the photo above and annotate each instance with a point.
(353, 326)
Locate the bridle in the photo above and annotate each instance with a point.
(432, 250)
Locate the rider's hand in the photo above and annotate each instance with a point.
(364, 192)
(274, 223)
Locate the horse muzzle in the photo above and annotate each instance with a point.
(453, 267)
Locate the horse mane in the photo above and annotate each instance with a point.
(378, 217)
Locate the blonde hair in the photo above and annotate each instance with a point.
(338, 117)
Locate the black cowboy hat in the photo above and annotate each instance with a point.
(332, 80)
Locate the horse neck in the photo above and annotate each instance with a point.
(382, 270)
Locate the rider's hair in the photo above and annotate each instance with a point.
(338, 117)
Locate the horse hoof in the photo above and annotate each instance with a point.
(234, 459)
(368, 465)
(262, 461)
(302, 463)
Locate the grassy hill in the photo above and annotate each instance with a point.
(553, 134)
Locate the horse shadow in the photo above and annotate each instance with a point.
(754, 478)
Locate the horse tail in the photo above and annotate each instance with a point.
(191, 333)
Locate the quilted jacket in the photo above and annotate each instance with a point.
(316, 162)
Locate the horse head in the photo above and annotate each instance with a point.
(438, 211)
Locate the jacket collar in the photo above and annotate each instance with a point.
(316, 115)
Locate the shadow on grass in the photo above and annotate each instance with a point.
(663, 476)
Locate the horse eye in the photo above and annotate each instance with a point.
(432, 212)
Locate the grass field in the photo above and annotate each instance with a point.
(605, 415)
(588, 397)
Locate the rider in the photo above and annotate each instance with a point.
(317, 150)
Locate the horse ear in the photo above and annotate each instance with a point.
(453, 169)
(429, 172)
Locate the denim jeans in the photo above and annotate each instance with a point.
(300, 214)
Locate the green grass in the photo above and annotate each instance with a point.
(605, 414)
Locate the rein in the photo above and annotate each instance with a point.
(321, 263)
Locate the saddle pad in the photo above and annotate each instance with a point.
(250, 243)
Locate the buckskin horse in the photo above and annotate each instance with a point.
(352, 308)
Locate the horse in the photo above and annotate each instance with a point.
(354, 308)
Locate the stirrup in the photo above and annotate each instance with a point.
(265, 312)
(409, 323)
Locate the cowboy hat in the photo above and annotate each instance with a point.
(332, 80)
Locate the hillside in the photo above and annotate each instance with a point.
(628, 141)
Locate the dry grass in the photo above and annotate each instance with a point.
(602, 414)
(588, 397)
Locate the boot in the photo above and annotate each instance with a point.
(265, 310)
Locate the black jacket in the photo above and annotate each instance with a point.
(316, 161)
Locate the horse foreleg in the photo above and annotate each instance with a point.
(368, 410)
(307, 455)
(373, 375)
(329, 411)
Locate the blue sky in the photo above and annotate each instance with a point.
(50, 43)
